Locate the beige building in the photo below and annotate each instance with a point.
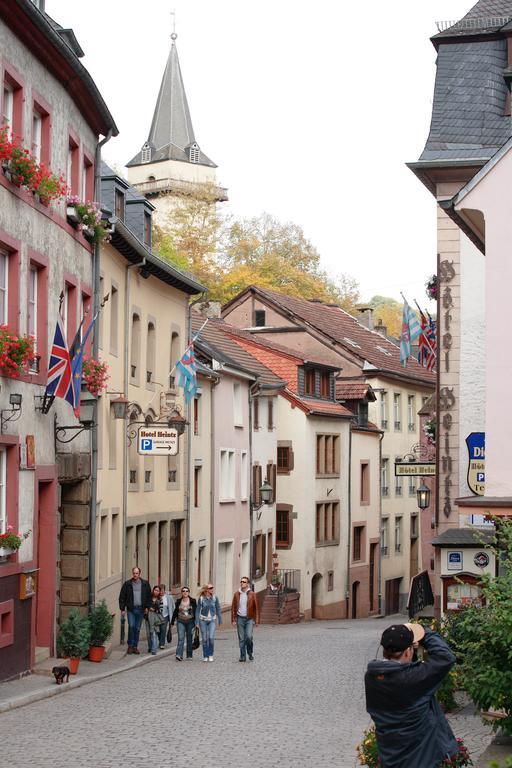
(142, 501)
(171, 164)
(322, 331)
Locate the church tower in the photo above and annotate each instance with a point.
(171, 163)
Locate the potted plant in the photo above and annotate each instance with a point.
(10, 541)
(367, 753)
(46, 186)
(95, 375)
(429, 429)
(21, 166)
(431, 287)
(16, 352)
(86, 216)
(73, 640)
(101, 625)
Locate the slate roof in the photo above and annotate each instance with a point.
(215, 340)
(484, 17)
(171, 129)
(375, 352)
(464, 537)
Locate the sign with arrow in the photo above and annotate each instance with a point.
(157, 441)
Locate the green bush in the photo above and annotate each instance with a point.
(101, 624)
(506, 764)
(74, 635)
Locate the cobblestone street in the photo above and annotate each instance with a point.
(300, 704)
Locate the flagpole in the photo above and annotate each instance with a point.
(194, 339)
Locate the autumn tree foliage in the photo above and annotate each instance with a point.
(227, 255)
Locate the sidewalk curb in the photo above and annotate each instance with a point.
(55, 690)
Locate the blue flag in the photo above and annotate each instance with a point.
(77, 364)
(187, 369)
(411, 329)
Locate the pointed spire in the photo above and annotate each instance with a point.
(171, 120)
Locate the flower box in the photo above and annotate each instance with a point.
(6, 551)
(72, 214)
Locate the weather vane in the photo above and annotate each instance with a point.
(173, 33)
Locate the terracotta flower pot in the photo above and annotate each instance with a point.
(73, 665)
(96, 653)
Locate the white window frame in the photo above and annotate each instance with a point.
(227, 475)
(8, 107)
(398, 534)
(412, 485)
(399, 486)
(32, 304)
(4, 289)
(37, 134)
(384, 410)
(238, 413)
(384, 535)
(3, 489)
(397, 411)
(244, 476)
(384, 474)
(411, 415)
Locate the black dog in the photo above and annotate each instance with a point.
(60, 673)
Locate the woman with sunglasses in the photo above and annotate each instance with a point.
(207, 615)
(184, 613)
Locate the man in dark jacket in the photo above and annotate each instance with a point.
(135, 598)
(400, 698)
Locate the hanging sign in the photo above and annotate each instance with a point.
(481, 559)
(157, 441)
(476, 464)
(415, 469)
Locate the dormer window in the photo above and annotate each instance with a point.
(259, 318)
(194, 153)
(119, 204)
(146, 153)
(147, 229)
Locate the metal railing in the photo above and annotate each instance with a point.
(180, 187)
(284, 582)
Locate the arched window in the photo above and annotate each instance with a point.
(146, 153)
(133, 458)
(175, 356)
(149, 463)
(135, 349)
(150, 353)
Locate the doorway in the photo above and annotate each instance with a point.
(355, 595)
(46, 557)
(392, 596)
(316, 587)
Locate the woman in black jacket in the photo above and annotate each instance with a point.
(184, 614)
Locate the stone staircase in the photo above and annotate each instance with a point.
(288, 613)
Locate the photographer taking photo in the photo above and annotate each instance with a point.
(410, 726)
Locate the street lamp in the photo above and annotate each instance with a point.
(266, 492)
(120, 407)
(423, 496)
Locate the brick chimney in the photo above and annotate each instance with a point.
(366, 316)
(381, 328)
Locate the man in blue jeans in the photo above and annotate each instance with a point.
(245, 613)
(135, 599)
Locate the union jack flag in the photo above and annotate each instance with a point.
(432, 338)
(59, 381)
(188, 377)
(427, 344)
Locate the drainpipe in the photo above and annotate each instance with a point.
(251, 484)
(380, 525)
(349, 512)
(212, 474)
(95, 347)
(127, 330)
(188, 454)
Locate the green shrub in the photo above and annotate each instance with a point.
(74, 636)
(101, 624)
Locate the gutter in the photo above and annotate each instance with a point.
(379, 605)
(349, 513)
(251, 395)
(96, 254)
(448, 206)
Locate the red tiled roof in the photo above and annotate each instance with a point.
(258, 338)
(215, 336)
(282, 364)
(351, 390)
(349, 333)
(318, 407)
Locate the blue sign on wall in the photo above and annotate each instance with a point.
(476, 464)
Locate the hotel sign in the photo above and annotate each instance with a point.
(415, 469)
(158, 441)
(476, 465)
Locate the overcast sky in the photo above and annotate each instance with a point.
(310, 110)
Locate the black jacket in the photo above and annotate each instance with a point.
(400, 698)
(193, 606)
(126, 595)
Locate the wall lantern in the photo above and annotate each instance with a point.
(423, 496)
(177, 421)
(266, 492)
(14, 412)
(120, 407)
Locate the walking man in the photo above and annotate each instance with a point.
(400, 698)
(245, 613)
(135, 599)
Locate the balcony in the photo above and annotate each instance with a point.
(398, 425)
(385, 490)
(383, 423)
(411, 427)
(398, 490)
(181, 187)
(384, 551)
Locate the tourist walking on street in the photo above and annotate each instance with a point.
(400, 698)
(134, 599)
(154, 620)
(166, 609)
(184, 612)
(207, 615)
(245, 613)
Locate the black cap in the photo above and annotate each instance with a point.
(398, 637)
